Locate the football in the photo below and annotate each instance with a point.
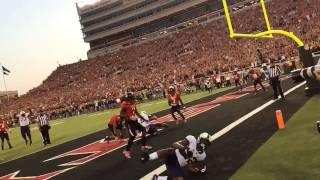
(197, 168)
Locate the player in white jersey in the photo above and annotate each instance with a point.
(151, 128)
(188, 153)
(24, 122)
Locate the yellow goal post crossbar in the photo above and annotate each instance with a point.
(266, 34)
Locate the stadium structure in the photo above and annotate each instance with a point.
(110, 25)
(246, 125)
(8, 94)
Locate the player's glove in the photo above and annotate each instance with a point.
(203, 169)
(197, 169)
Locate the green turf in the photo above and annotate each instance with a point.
(75, 127)
(293, 153)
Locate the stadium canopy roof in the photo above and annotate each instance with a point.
(88, 4)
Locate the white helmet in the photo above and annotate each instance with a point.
(144, 115)
(171, 89)
(118, 100)
(203, 142)
(204, 136)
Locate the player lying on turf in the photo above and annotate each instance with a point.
(188, 153)
(151, 128)
(116, 128)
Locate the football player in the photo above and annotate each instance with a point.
(175, 101)
(151, 128)
(188, 153)
(4, 134)
(130, 115)
(256, 77)
(115, 125)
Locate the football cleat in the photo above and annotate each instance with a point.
(127, 154)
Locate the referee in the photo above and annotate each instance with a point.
(44, 127)
(274, 73)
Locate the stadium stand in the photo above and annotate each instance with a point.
(182, 58)
(137, 18)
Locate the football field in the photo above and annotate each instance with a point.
(68, 129)
(246, 143)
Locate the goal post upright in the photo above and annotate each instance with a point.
(305, 55)
(265, 14)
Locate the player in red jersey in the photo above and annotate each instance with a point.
(130, 115)
(175, 101)
(256, 77)
(4, 134)
(115, 126)
(237, 79)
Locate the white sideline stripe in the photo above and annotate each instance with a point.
(215, 136)
(247, 116)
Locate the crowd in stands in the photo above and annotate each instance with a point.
(181, 58)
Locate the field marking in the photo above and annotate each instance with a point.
(56, 123)
(53, 124)
(189, 114)
(99, 114)
(96, 154)
(228, 128)
(147, 105)
(86, 115)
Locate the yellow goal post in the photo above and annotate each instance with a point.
(265, 34)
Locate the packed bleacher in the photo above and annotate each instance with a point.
(181, 58)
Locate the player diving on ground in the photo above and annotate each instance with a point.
(188, 153)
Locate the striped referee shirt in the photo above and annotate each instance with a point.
(274, 71)
(42, 120)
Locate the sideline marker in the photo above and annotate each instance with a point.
(280, 119)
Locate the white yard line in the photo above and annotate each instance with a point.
(57, 123)
(99, 114)
(225, 130)
(146, 105)
(160, 102)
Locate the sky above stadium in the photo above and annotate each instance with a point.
(36, 36)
